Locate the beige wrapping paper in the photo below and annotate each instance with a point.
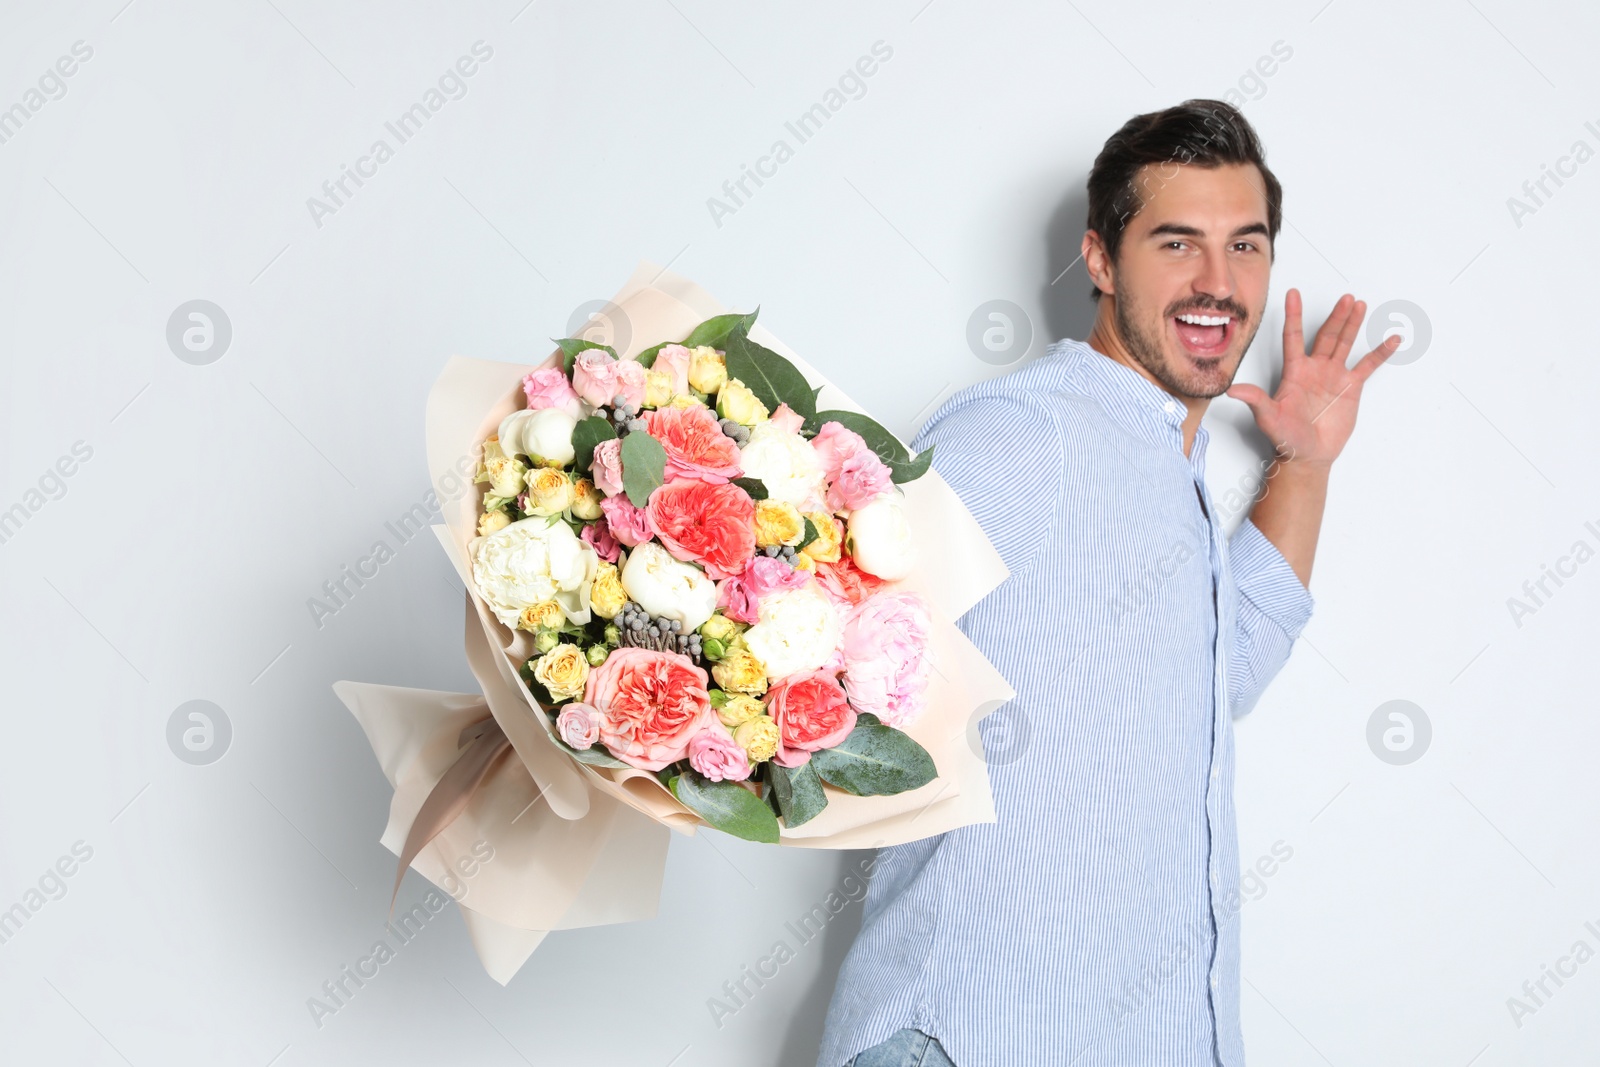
(592, 846)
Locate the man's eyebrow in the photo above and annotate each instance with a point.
(1178, 229)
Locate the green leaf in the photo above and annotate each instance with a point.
(727, 806)
(585, 436)
(571, 346)
(875, 760)
(798, 791)
(754, 486)
(902, 467)
(647, 358)
(866, 718)
(716, 331)
(811, 535)
(773, 379)
(644, 464)
(594, 757)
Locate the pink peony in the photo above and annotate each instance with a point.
(605, 543)
(861, 477)
(579, 724)
(739, 597)
(695, 445)
(549, 388)
(787, 419)
(886, 662)
(628, 524)
(812, 713)
(833, 445)
(709, 523)
(606, 468)
(674, 360)
(714, 753)
(651, 704)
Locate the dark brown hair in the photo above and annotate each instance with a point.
(1201, 133)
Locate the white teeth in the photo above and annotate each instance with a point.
(1204, 320)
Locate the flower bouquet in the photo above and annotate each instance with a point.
(698, 593)
(706, 565)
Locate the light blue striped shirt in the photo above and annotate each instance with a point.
(1095, 924)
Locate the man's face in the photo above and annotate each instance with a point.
(1198, 246)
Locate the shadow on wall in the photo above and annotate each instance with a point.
(1068, 309)
(804, 1036)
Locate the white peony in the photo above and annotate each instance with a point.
(786, 464)
(531, 561)
(879, 538)
(668, 587)
(544, 436)
(799, 631)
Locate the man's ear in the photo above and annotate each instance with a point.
(1098, 264)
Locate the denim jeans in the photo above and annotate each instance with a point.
(905, 1048)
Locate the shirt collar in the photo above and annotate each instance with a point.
(1137, 404)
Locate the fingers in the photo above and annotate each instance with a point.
(1348, 332)
(1370, 362)
(1294, 342)
(1328, 335)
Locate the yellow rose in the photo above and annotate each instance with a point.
(492, 521)
(708, 369)
(502, 473)
(606, 595)
(740, 672)
(563, 670)
(825, 548)
(803, 562)
(778, 523)
(740, 708)
(586, 500)
(657, 389)
(684, 400)
(735, 401)
(719, 627)
(758, 737)
(549, 491)
(546, 614)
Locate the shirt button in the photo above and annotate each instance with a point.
(1213, 981)
(1214, 773)
(1170, 407)
(1213, 877)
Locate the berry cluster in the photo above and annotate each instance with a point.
(787, 553)
(625, 418)
(641, 630)
(738, 431)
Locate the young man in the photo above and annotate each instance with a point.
(1095, 922)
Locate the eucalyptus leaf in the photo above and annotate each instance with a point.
(727, 806)
(715, 331)
(585, 436)
(798, 791)
(755, 487)
(875, 760)
(644, 464)
(772, 378)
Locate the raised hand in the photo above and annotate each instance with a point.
(1313, 413)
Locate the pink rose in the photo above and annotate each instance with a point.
(630, 381)
(604, 542)
(606, 468)
(594, 376)
(549, 388)
(579, 724)
(674, 360)
(714, 753)
(739, 597)
(812, 713)
(651, 704)
(886, 662)
(787, 419)
(695, 445)
(861, 477)
(628, 524)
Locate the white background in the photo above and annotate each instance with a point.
(178, 563)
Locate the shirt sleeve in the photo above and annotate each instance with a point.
(1002, 455)
(1273, 608)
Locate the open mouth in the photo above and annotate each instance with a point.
(1204, 336)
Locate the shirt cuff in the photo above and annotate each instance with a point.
(1265, 578)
